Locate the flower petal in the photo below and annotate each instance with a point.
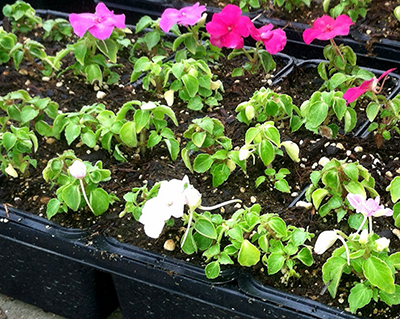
(168, 18)
(81, 22)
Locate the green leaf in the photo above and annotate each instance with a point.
(93, 73)
(89, 138)
(109, 48)
(128, 134)
(212, 270)
(205, 227)
(395, 260)
(249, 255)
(275, 263)
(350, 120)
(198, 138)
(191, 84)
(305, 256)
(332, 272)
(394, 189)
(72, 131)
(391, 299)
(202, 163)
(52, 207)
(379, 274)
(372, 111)
(99, 200)
(266, 152)
(141, 119)
(28, 114)
(318, 195)
(71, 195)
(278, 226)
(9, 140)
(189, 246)
(360, 295)
(220, 174)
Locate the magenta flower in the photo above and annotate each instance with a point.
(100, 24)
(228, 28)
(274, 40)
(353, 94)
(326, 28)
(185, 16)
(368, 207)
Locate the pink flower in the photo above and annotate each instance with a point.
(78, 169)
(274, 40)
(368, 207)
(185, 16)
(353, 94)
(100, 24)
(228, 28)
(326, 28)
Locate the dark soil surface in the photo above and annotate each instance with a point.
(70, 91)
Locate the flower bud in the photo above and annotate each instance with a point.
(363, 237)
(325, 240)
(382, 243)
(148, 106)
(78, 169)
(192, 197)
(244, 154)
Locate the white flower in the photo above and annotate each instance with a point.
(78, 170)
(170, 201)
(154, 215)
(325, 240)
(382, 243)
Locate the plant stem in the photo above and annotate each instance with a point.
(84, 195)
(188, 227)
(220, 205)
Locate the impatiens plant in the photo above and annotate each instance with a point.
(266, 105)
(100, 24)
(354, 9)
(57, 30)
(253, 237)
(331, 185)
(384, 115)
(368, 208)
(195, 40)
(247, 5)
(15, 144)
(102, 36)
(229, 28)
(206, 136)
(341, 58)
(22, 16)
(191, 79)
(187, 16)
(291, 4)
(94, 125)
(371, 85)
(26, 111)
(78, 185)
(324, 111)
(365, 255)
(388, 110)
(264, 141)
(30, 50)
(151, 39)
